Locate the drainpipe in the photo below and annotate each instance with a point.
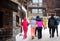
(14, 26)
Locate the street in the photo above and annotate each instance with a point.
(45, 36)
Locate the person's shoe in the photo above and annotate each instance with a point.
(32, 37)
(35, 35)
(23, 38)
(39, 38)
(50, 36)
(57, 35)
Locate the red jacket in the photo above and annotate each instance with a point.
(25, 24)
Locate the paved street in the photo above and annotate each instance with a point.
(45, 36)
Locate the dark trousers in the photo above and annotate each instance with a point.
(51, 31)
(39, 32)
(56, 30)
(36, 30)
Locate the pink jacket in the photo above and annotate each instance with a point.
(25, 24)
(40, 23)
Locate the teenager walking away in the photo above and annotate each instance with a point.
(51, 24)
(33, 27)
(25, 27)
(40, 25)
(37, 19)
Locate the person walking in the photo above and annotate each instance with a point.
(56, 25)
(33, 27)
(45, 23)
(51, 25)
(37, 19)
(25, 27)
(40, 25)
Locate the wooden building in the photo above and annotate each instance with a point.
(6, 18)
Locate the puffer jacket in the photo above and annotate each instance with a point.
(25, 24)
(33, 23)
(40, 23)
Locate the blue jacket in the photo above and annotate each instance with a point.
(57, 22)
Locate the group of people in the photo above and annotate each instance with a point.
(52, 25)
(38, 24)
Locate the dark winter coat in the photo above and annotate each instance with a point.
(54, 23)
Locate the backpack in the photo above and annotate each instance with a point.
(52, 22)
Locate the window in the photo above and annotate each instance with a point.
(40, 11)
(34, 10)
(34, 1)
(38, 2)
(37, 11)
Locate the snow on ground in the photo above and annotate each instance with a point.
(45, 36)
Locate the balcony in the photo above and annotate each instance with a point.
(40, 5)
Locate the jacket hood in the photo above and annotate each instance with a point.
(25, 19)
(52, 17)
(38, 18)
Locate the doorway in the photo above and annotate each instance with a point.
(1, 19)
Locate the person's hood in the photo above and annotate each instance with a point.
(37, 16)
(52, 17)
(25, 19)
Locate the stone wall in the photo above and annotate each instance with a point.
(7, 29)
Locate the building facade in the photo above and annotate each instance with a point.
(7, 7)
(36, 7)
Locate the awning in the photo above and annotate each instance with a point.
(9, 4)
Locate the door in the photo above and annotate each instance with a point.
(1, 19)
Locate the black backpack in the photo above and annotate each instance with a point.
(51, 22)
